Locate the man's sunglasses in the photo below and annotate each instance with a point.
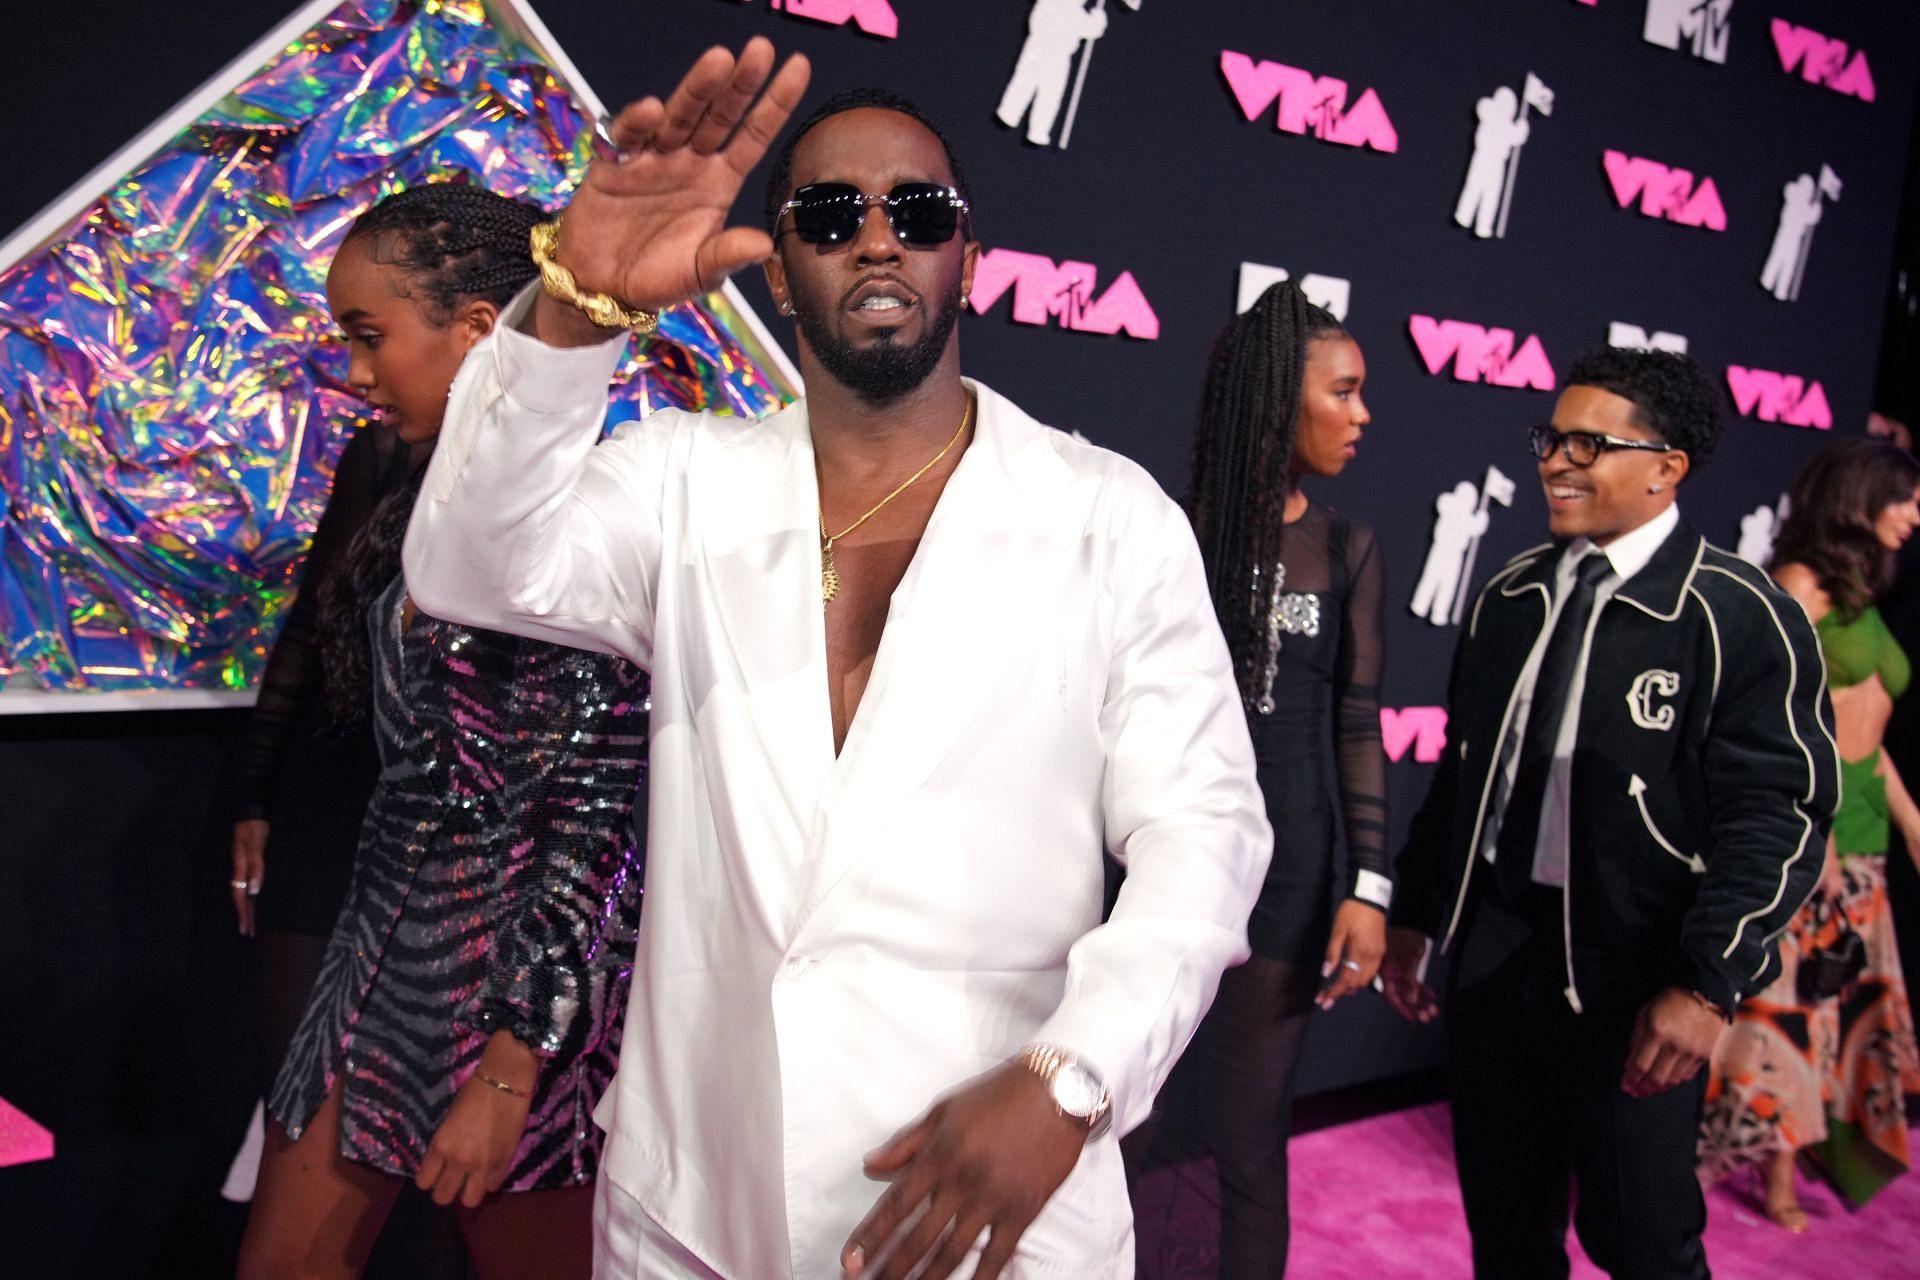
(920, 213)
(1583, 447)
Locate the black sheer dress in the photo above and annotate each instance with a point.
(1317, 746)
(1318, 749)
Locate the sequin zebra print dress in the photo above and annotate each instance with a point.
(497, 887)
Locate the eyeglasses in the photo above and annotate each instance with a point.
(920, 213)
(1583, 447)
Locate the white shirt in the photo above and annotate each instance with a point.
(1626, 555)
(830, 942)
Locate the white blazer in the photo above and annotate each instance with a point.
(828, 944)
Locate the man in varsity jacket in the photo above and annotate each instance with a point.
(1633, 803)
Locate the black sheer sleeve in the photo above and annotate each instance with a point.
(1359, 757)
(293, 675)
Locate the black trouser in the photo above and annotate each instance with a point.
(1538, 1110)
(1231, 1098)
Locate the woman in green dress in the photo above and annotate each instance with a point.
(1821, 1061)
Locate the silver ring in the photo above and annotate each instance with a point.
(603, 144)
(238, 884)
(1348, 964)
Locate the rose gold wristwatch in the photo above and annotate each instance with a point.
(1078, 1092)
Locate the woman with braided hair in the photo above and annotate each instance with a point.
(466, 1014)
(1299, 591)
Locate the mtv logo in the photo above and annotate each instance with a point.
(1308, 103)
(1777, 397)
(1703, 25)
(1330, 292)
(1422, 728)
(1044, 290)
(1664, 192)
(1633, 337)
(1823, 60)
(875, 17)
(1480, 354)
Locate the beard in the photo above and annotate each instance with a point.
(886, 370)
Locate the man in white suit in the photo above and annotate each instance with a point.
(916, 660)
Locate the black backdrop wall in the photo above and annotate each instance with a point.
(121, 979)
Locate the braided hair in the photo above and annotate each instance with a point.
(1242, 453)
(452, 244)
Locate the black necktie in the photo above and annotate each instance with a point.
(1520, 827)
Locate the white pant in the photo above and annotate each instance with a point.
(629, 1245)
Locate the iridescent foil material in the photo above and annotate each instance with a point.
(172, 391)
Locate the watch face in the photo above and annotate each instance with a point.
(1077, 1091)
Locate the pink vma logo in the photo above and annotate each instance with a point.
(1043, 290)
(875, 17)
(1664, 192)
(1822, 60)
(1779, 397)
(1422, 728)
(1308, 103)
(1481, 355)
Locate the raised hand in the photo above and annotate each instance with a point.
(650, 227)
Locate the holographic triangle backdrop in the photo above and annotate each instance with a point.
(172, 391)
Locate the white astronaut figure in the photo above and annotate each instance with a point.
(1799, 213)
(1458, 520)
(1055, 30)
(1757, 530)
(1501, 129)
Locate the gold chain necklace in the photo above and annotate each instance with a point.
(829, 576)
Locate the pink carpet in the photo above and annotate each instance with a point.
(1377, 1200)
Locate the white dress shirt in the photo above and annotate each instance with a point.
(1627, 555)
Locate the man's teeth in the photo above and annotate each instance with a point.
(881, 304)
(1561, 491)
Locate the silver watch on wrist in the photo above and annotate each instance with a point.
(1078, 1091)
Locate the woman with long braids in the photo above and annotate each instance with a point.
(1821, 1062)
(1299, 592)
(466, 1015)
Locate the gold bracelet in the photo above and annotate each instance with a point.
(501, 1085)
(603, 309)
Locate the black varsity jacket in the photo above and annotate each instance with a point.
(1704, 775)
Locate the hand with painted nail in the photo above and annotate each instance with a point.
(975, 1171)
(1354, 950)
(648, 224)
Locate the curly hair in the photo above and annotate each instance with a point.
(452, 243)
(1835, 501)
(1242, 451)
(1672, 395)
(858, 99)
